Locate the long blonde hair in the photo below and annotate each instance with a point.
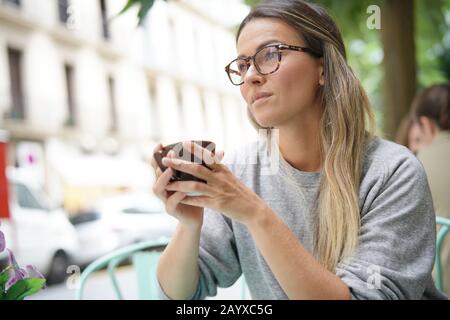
(346, 125)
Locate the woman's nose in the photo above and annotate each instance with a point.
(252, 76)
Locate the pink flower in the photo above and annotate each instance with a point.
(32, 272)
(2, 241)
(16, 273)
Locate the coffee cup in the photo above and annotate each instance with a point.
(186, 155)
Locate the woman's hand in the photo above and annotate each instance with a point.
(187, 215)
(223, 192)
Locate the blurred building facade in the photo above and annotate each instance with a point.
(85, 95)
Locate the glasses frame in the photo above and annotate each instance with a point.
(280, 47)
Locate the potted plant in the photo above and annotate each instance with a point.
(16, 283)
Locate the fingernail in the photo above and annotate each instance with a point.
(165, 161)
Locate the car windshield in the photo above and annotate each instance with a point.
(26, 198)
(85, 217)
(142, 205)
(132, 204)
(141, 210)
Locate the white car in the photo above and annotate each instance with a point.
(37, 235)
(96, 237)
(136, 217)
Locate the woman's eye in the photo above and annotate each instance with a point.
(271, 55)
(242, 67)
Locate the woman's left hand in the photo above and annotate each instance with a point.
(223, 192)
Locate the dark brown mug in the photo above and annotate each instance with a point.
(183, 154)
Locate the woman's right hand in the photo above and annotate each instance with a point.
(187, 215)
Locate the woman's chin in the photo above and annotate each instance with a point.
(265, 123)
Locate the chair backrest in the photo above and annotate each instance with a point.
(445, 227)
(144, 257)
(145, 264)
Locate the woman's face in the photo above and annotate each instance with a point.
(290, 92)
(421, 134)
(414, 137)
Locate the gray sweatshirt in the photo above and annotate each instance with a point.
(396, 249)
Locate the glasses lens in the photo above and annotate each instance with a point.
(267, 60)
(237, 70)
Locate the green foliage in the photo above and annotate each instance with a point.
(431, 53)
(24, 288)
(21, 289)
(17, 283)
(251, 3)
(144, 8)
(4, 276)
(444, 63)
(349, 15)
(430, 28)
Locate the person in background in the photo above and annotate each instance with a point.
(430, 113)
(408, 134)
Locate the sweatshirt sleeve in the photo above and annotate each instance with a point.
(396, 249)
(218, 259)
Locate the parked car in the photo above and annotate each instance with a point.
(96, 237)
(37, 235)
(136, 217)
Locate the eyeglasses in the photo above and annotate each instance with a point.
(266, 61)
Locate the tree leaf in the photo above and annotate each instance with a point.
(146, 5)
(144, 8)
(129, 4)
(24, 288)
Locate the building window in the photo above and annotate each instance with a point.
(154, 114)
(174, 50)
(17, 110)
(203, 109)
(25, 198)
(105, 24)
(112, 104)
(63, 10)
(179, 102)
(16, 3)
(152, 89)
(70, 89)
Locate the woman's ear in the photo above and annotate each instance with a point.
(321, 73)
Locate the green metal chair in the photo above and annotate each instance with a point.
(144, 256)
(445, 227)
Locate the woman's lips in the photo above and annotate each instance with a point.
(261, 97)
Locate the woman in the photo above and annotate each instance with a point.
(346, 215)
(431, 115)
(409, 134)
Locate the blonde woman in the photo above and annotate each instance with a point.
(344, 215)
